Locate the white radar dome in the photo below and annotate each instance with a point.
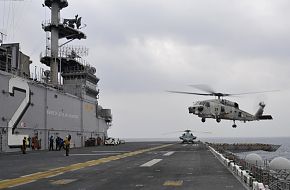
(280, 163)
(254, 159)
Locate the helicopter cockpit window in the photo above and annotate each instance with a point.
(207, 104)
(236, 105)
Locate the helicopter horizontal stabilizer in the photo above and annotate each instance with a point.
(265, 117)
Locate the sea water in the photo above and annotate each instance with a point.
(283, 151)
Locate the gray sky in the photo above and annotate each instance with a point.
(142, 48)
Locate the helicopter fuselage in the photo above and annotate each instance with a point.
(187, 137)
(224, 109)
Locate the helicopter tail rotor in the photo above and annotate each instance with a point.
(259, 114)
(261, 109)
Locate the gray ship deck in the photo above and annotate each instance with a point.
(146, 165)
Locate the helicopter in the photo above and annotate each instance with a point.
(221, 108)
(188, 137)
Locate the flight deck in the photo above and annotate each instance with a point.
(138, 165)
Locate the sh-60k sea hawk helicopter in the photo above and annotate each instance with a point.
(221, 108)
(188, 137)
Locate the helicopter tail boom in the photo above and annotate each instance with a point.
(265, 117)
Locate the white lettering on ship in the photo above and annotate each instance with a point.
(62, 114)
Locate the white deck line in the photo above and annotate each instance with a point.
(108, 151)
(185, 145)
(169, 153)
(100, 154)
(151, 163)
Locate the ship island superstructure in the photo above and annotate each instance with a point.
(65, 100)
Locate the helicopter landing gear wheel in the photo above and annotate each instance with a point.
(234, 125)
(218, 120)
(203, 119)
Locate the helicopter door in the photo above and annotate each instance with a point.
(217, 110)
(222, 109)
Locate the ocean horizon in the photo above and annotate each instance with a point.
(283, 151)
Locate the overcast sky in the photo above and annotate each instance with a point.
(143, 48)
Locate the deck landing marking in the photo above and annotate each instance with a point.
(184, 144)
(100, 154)
(117, 151)
(63, 181)
(173, 183)
(168, 153)
(151, 163)
(42, 175)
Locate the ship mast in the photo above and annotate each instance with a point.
(67, 29)
(55, 12)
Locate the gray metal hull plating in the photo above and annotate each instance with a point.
(50, 112)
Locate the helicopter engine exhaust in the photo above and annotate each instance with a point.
(200, 108)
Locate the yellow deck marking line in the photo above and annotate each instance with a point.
(57, 171)
(22, 183)
(30, 174)
(54, 175)
(173, 183)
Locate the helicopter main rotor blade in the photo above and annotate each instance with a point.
(192, 93)
(203, 87)
(194, 131)
(258, 92)
(208, 89)
(208, 132)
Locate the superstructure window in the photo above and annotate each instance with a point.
(207, 104)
